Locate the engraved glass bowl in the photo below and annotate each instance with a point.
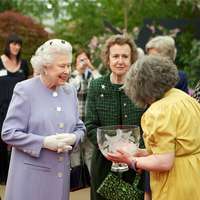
(125, 137)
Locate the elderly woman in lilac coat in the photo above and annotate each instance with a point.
(43, 127)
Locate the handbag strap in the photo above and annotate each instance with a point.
(81, 153)
(137, 179)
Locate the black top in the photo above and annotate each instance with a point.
(8, 80)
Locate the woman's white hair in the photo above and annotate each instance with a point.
(48, 52)
(165, 45)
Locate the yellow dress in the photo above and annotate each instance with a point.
(172, 124)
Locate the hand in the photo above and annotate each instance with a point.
(90, 65)
(67, 138)
(122, 157)
(51, 143)
(63, 147)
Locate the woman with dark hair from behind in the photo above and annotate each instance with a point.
(196, 93)
(13, 69)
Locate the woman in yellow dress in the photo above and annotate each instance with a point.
(170, 130)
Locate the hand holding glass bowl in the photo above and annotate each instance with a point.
(125, 137)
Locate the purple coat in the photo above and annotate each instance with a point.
(35, 112)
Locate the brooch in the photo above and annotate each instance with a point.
(66, 89)
(103, 86)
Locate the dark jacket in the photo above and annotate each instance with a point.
(182, 83)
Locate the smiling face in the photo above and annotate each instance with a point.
(58, 73)
(14, 48)
(120, 59)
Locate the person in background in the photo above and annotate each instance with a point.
(170, 126)
(140, 52)
(13, 69)
(43, 127)
(80, 78)
(35, 73)
(165, 46)
(196, 92)
(109, 105)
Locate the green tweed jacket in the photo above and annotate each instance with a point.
(108, 105)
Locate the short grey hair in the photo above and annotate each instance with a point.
(149, 79)
(165, 45)
(46, 54)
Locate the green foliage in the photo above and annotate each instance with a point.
(95, 51)
(85, 27)
(80, 21)
(37, 9)
(32, 34)
(86, 16)
(7, 5)
(84, 23)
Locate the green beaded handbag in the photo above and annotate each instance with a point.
(115, 188)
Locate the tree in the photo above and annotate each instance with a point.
(85, 26)
(86, 16)
(7, 5)
(79, 21)
(32, 34)
(38, 9)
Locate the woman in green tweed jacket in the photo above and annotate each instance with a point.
(109, 105)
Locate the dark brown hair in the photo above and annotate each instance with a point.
(82, 51)
(12, 38)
